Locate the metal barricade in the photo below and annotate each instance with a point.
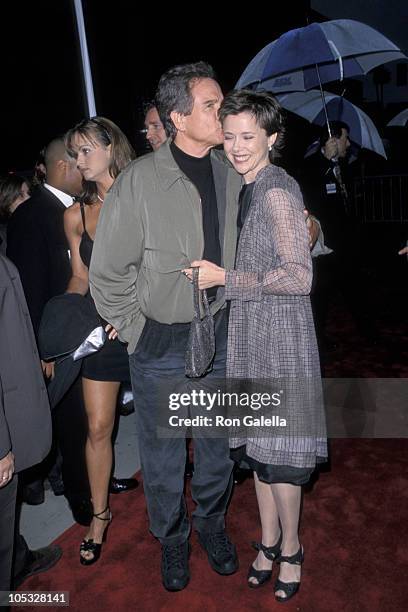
(381, 198)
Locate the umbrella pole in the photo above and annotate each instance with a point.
(323, 101)
(335, 161)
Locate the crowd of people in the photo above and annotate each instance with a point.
(123, 235)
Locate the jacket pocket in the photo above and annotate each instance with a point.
(164, 262)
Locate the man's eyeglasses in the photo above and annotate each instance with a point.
(152, 126)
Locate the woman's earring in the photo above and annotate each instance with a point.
(270, 148)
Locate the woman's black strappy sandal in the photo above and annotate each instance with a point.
(271, 553)
(289, 588)
(90, 545)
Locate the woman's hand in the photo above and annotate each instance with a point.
(209, 274)
(111, 331)
(6, 469)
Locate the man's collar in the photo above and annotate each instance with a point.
(63, 197)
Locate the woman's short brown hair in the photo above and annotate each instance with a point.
(262, 105)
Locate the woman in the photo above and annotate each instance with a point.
(271, 334)
(14, 190)
(102, 151)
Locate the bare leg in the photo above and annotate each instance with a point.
(100, 404)
(268, 512)
(287, 498)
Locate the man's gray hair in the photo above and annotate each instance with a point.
(174, 91)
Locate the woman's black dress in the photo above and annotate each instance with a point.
(111, 362)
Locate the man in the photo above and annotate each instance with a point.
(163, 210)
(154, 129)
(37, 245)
(323, 182)
(25, 427)
(184, 218)
(324, 186)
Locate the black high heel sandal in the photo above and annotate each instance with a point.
(90, 545)
(271, 553)
(289, 588)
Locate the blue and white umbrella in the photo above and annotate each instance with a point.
(308, 104)
(320, 52)
(399, 120)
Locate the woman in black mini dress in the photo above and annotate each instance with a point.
(102, 151)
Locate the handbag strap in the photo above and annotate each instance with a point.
(196, 295)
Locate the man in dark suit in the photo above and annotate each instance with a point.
(37, 245)
(324, 186)
(25, 426)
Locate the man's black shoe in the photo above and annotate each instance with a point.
(222, 554)
(82, 511)
(174, 566)
(39, 561)
(121, 485)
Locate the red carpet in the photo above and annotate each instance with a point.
(354, 531)
(354, 524)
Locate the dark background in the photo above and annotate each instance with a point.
(130, 46)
